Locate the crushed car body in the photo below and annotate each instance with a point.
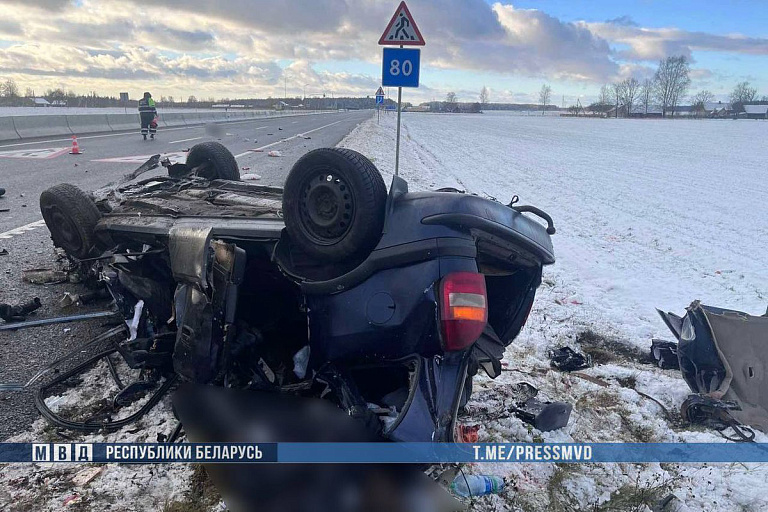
(386, 304)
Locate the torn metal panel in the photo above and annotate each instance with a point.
(742, 341)
(189, 250)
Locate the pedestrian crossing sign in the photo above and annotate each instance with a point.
(402, 29)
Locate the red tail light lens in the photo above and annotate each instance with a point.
(463, 309)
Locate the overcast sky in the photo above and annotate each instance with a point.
(254, 48)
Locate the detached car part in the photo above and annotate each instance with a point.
(19, 312)
(664, 354)
(722, 354)
(567, 359)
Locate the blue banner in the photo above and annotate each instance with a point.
(357, 453)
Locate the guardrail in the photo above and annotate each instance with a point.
(24, 127)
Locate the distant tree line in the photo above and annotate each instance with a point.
(666, 90)
(10, 96)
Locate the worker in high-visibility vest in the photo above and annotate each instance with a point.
(148, 113)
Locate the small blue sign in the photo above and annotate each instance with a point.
(379, 100)
(400, 67)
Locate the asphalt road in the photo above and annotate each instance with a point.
(22, 353)
(25, 178)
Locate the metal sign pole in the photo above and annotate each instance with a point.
(397, 147)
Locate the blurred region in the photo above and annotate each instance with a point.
(214, 130)
(212, 414)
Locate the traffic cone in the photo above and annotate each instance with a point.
(75, 147)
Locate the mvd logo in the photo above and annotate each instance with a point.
(61, 452)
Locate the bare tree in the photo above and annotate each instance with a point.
(170, 100)
(485, 95)
(629, 92)
(451, 101)
(700, 99)
(672, 82)
(10, 89)
(29, 93)
(646, 94)
(606, 95)
(191, 99)
(742, 94)
(618, 92)
(764, 98)
(544, 94)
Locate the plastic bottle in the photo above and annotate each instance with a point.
(476, 485)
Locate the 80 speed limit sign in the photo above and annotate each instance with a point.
(400, 67)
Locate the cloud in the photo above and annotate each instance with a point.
(249, 47)
(10, 28)
(658, 43)
(625, 20)
(270, 16)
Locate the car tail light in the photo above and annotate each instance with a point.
(463, 309)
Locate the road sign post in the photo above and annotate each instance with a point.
(379, 103)
(400, 66)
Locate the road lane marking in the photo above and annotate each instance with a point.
(185, 140)
(140, 159)
(286, 139)
(41, 153)
(21, 230)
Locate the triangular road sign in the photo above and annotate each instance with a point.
(380, 92)
(402, 29)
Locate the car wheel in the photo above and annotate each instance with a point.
(334, 203)
(71, 217)
(221, 162)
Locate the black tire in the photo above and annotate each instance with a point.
(222, 162)
(336, 219)
(71, 217)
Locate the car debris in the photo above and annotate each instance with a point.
(73, 299)
(250, 177)
(716, 414)
(722, 358)
(671, 503)
(274, 154)
(217, 281)
(468, 434)
(544, 416)
(2, 192)
(59, 320)
(86, 476)
(19, 312)
(567, 359)
(3, 252)
(664, 354)
(44, 276)
(72, 499)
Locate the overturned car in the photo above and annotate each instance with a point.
(384, 304)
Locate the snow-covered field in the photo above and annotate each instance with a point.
(648, 213)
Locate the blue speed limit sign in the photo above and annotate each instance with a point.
(400, 67)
